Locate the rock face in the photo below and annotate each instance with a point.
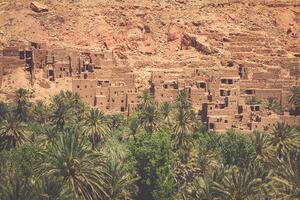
(197, 42)
(160, 34)
(38, 7)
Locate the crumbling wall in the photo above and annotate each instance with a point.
(1, 75)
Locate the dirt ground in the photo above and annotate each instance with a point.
(148, 32)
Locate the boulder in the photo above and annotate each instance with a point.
(197, 23)
(38, 7)
(197, 42)
(174, 32)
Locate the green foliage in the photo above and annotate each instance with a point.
(72, 159)
(95, 127)
(65, 151)
(295, 99)
(4, 109)
(66, 107)
(253, 101)
(243, 183)
(122, 179)
(272, 104)
(264, 152)
(183, 125)
(236, 149)
(40, 113)
(116, 121)
(153, 160)
(209, 148)
(166, 112)
(284, 137)
(149, 116)
(13, 132)
(16, 171)
(288, 175)
(52, 188)
(22, 104)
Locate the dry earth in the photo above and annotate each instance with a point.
(147, 32)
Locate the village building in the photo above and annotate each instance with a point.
(220, 92)
(112, 90)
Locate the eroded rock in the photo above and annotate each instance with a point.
(197, 42)
(38, 7)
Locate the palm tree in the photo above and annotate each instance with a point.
(116, 121)
(165, 110)
(183, 101)
(283, 138)
(22, 104)
(288, 175)
(263, 151)
(40, 112)
(66, 107)
(15, 189)
(147, 99)
(52, 188)
(12, 132)
(244, 183)
(71, 159)
(45, 133)
(121, 183)
(133, 123)
(73, 99)
(203, 187)
(4, 109)
(149, 118)
(61, 111)
(295, 98)
(77, 105)
(253, 101)
(272, 104)
(183, 126)
(96, 127)
(206, 160)
(182, 129)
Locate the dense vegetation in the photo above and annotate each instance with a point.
(66, 150)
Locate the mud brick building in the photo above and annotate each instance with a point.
(220, 96)
(110, 89)
(13, 57)
(220, 89)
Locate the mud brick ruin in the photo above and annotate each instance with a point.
(95, 75)
(248, 65)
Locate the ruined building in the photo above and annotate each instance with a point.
(110, 89)
(256, 66)
(220, 91)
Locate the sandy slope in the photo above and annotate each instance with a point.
(147, 31)
(41, 89)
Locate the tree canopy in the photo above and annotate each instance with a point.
(65, 150)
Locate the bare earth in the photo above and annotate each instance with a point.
(147, 32)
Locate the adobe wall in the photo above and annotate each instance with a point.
(11, 52)
(133, 101)
(11, 62)
(290, 120)
(264, 75)
(220, 123)
(218, 90)
(1, 75)
(86, 89)
(101, 102)
(265, 93)
(39, 57)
